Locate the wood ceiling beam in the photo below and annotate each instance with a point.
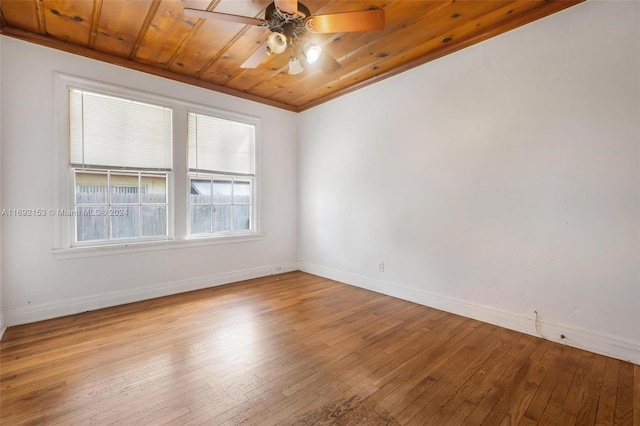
(95, 20)
(189, 36)
(42, 23)
(153, 9)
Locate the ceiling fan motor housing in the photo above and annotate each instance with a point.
(291, 25)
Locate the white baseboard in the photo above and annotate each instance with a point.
(613, 346)
(3, 327)
(105, 300)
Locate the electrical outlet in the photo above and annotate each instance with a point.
(381, 267)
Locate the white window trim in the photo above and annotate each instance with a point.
(178, 205)
(146, 246)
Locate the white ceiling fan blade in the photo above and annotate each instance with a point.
(206, 14)
(256, 57)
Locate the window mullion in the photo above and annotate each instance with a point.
(140, 233)
(109, 226)
(212, 205)
(233, 227)
(179, 185)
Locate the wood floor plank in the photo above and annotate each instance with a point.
(578, 385)
(636, 395)
(607, 401)
(527, 391)
(553, 410)
(624, 395)
(444, 381)
(588, 405)
(497, 395)
(470, 394)
(300, 349)
(426, 362)
(544, 391)
(485, 406)
(431, 408)
(517, 395)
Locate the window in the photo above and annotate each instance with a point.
(221, 175)
(120, 155)
(139, 171)
(220, 205)
(115, 205)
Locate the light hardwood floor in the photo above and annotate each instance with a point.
(300, 349)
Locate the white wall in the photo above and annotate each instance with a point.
(38, 284)
(495, 182)
(2, 325)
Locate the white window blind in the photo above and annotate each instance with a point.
(220, 146)
(106, 131)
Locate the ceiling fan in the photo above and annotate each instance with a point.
(289, 23)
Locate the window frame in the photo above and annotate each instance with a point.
(178, 180)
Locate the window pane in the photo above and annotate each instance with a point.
(153, 189)
(241, 217)
(124, 188)
(200, 191)
(241, 192)
(91, 188)
(200, 219)
(92, 224)
(154, 221)
(124, 222)
(222, 191)
(222, 218)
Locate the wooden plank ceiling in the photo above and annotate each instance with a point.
(155, 36)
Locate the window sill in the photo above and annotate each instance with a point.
(126, 248)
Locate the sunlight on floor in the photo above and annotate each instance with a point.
(238, 333)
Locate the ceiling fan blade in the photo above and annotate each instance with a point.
(365, 20)
(328, 63)
(289, 6)
(206, 14)
(256, 57)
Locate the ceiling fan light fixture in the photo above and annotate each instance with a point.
(294, 66)
(311, 52)
(289, 22)
(277, 43)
